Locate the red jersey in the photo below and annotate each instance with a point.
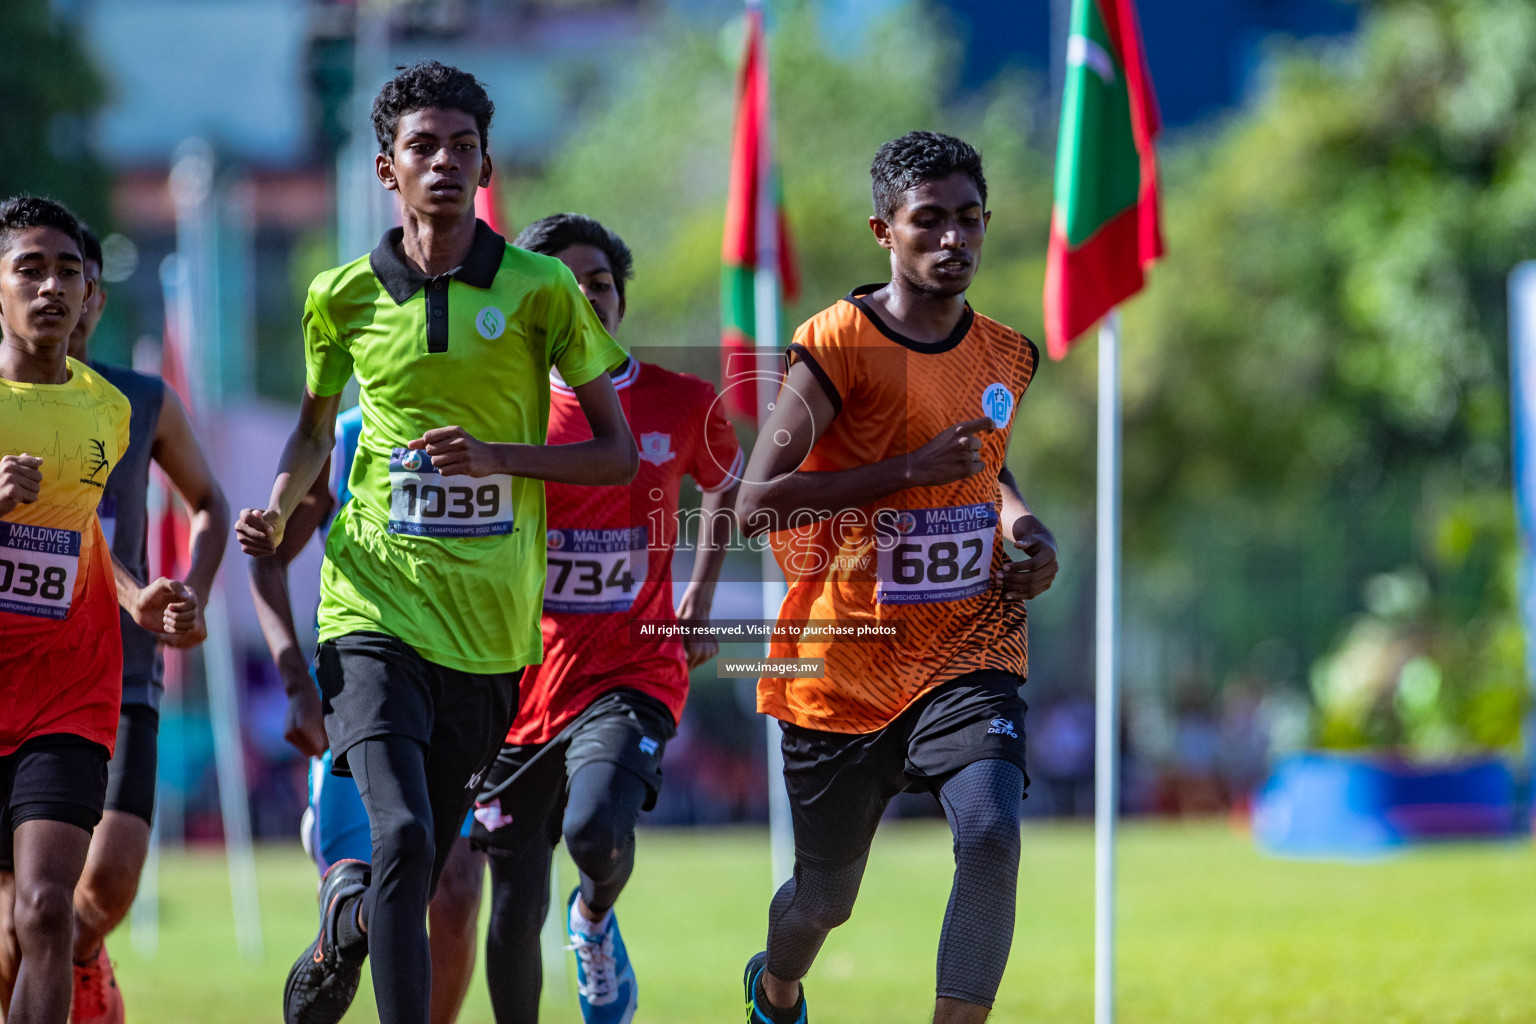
(610, 550)
(61, 651)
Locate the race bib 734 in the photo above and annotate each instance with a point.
(595, 570)
(424, 503)
(928, 555)
(37, 569)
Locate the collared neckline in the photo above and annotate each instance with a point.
(857, 297)
(402, 280)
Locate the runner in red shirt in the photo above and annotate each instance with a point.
(63, 429)
(610, 557)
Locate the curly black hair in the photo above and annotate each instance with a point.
(430, 84)
(905, 163)
(21, 212)
(560, 231)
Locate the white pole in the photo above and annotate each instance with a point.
(196, 214)
(765, 302)
(234, 795)
(1107, 671)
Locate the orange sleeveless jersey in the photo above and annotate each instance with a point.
(61, 652)
(913, 570)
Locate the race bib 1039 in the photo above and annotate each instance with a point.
(595, 570)
(37, 569)
(928, 555)
(424, 503)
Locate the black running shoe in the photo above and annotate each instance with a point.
(324, 979)
(761, 1012)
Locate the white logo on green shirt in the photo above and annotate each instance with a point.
(490, 323)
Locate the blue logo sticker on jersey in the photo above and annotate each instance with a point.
(997, 404)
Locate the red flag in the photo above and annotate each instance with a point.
(488, 208)
(1104, 226)
(753, 173)
(170, 532)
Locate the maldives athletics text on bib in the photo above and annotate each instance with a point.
(929, 555)
(594, 571)
(38, 566)
(424, 503)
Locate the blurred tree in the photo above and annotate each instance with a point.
(51, 90)
(1318, 379)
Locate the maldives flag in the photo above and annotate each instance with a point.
(753, 207)
(488, 207)
(1104, 226)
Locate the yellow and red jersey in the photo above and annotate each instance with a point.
(610, 550)
(61, 654)
(914, 570)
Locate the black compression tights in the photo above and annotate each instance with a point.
(414, 819)
(983, 802)
(601, 809)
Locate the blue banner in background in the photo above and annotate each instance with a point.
(1522, 414)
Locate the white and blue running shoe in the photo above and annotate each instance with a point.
(605, 980)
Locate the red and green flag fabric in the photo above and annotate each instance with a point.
(753, 174)
(488, 207)
(1104, 226)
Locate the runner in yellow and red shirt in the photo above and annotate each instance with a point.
(63, 429)
(881, 474)
(598, 712)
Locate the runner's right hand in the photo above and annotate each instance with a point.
(953, 455)
(260, 531)
(166, 606)
(304, 721)
(20, 479)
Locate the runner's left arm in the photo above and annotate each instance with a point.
(708, 559)
(303, 722)
(1034, 575)
(165, 606)
(260, 531)
(609, 458)
(177, 452)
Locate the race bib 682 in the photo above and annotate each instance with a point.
(928, 555)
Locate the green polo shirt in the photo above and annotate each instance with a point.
(454, 566)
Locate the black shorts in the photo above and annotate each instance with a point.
(623, 727)
(372, 685)
(131, 772)
(59, 777)
(840, 783)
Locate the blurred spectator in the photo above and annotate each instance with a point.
(1061, 747)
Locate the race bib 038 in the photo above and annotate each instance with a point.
(595, 570)
(37, 569)
(424, 503)
(928, 555)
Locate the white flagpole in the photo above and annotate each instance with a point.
(192, 183)
(1107, 672)
(781, 833)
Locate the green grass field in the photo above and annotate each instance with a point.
(1211, 931)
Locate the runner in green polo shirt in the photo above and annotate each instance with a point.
(434, 572)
